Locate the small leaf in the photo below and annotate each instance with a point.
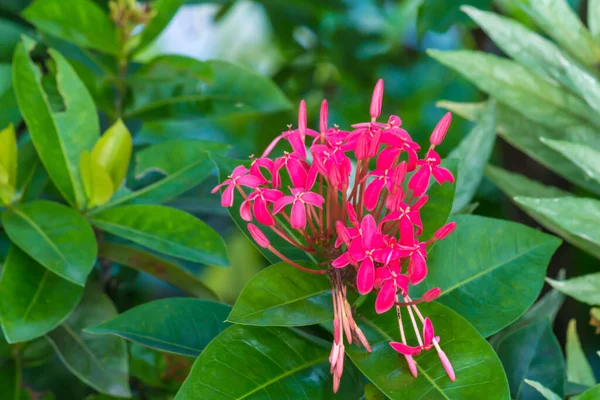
(175, 325)
(96, 181)
(113, 151)
(33, 300)
(59, 137)
(583, 156)
(166, 230)
(584, 288)
(55, 236)
(8, 149)
(162, 269)
(282, 295)
(474, 151)
(73, 23)
(544, 391)
(165, 11)
(507, 272)
(99, 361)
(578, 369)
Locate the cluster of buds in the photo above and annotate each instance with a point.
(363, 223)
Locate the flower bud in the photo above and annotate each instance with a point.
(302, 117)
(324, 115)
(258, 236)
(377, 99)
(394, 121)
(445, 230)
(431, 294)
(438, 134)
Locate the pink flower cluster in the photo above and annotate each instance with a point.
(363, 223)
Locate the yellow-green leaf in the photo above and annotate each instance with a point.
(8, 150)
(113, 152)
(96, 181)
(578, 368)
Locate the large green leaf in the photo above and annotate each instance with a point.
(538, 54)
(55, 236)
(532, 352)
(59, 136)
(561, 23)
(474, 151)
(519, 88)
(83, 23)
(282, 295)
(248, 362)
(230, 90)
(591, 394)
(584, 288)
(525, 135)
(176, 325)
(436, 211)
(99, 361)
(9, 109)
(476, 365)
(594, 19)
(166, 230)
(160, 268)
(165, 10)
(33, 300)
(583, 156)
(578, 369)
(479, 277)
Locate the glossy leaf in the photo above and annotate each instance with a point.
(583, 156)
(532, 352)
(436, 211)
(591, 394)
(578, 369)
(584, 288)
(55, 236)
(506, 272)
(474, 151)
(113, 151)
(282, 295)
(594, 19)
(33, 300)
(519, 88)
(8, 149)
(477, 366)
(165, 10)
(166, 230)
(544, 391)
(73, 23)
(175, 325)
(31, 177)
(99, 361)
(258, 362)
(160, 268)
(97, 183)
(59, 137)
(525, 135)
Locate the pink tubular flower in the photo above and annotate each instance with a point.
(347, 204)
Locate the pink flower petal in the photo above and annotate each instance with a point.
(313, 199)
(220, 185)
(245, 212)
(369, 230)
(419, 182)
(387, 157)
(417, 269)
(407, 230)
(281, 203)
(239, 171)
(227, 197)
(365, 279)
(250, 181)
(297, 172)
(298, 216)
(385, 297)
(428, 331)
(442, 175)
(405, 349)
(341, 261)
(297, 143)
(261, 213)
(372, 194)
(382, 273)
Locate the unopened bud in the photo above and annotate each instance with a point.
(394, 121)
(377, 99)
(438, 134)
(302, 117)
(258, 236)
(445, 230)
(324, 115)
(431, 294)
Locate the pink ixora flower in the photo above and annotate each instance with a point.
(344, 200)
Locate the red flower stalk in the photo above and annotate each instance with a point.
(365, 224)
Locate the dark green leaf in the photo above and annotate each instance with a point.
(11, 34)
(256, 362)
(31, 176)
(33, 300)
(165, 10)
(176, 325)
(441, 15)
(436, 211)
(83, 23)
(99, 361)
(474, 151)
(578, 369)
(166, 230)
(544, 391)
(532, 353)
(478, 277)
(10, 380)
(584, 288)
(282, 295)
(55, 236)
(9, 109)
(162, 269)
(476, 365)
(59, 137)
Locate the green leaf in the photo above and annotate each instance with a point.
(532, 352)
(519, 88)
(113, 151)
(82, 23)
(9, 109)
(578, 369)
(176, 325)
(232, 90)
(55, 236)
(561, 23)
(584, 288)
(59, 137)
(473, 359)
(258, 362)
(593, 12)
(583, 156)
(166, 230)
(33, 300)
(31, 177)
(544, 391)
(162, 269)
(441, 15)
(96, 181)
(505, 273)
(436, 211)
(10, 380)
(591, 394)
(8, 149)
(165, 11)
(99, 361)
(538, 54)
(577, 216)
(282, 295)
(474, 151)
(525, 136)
